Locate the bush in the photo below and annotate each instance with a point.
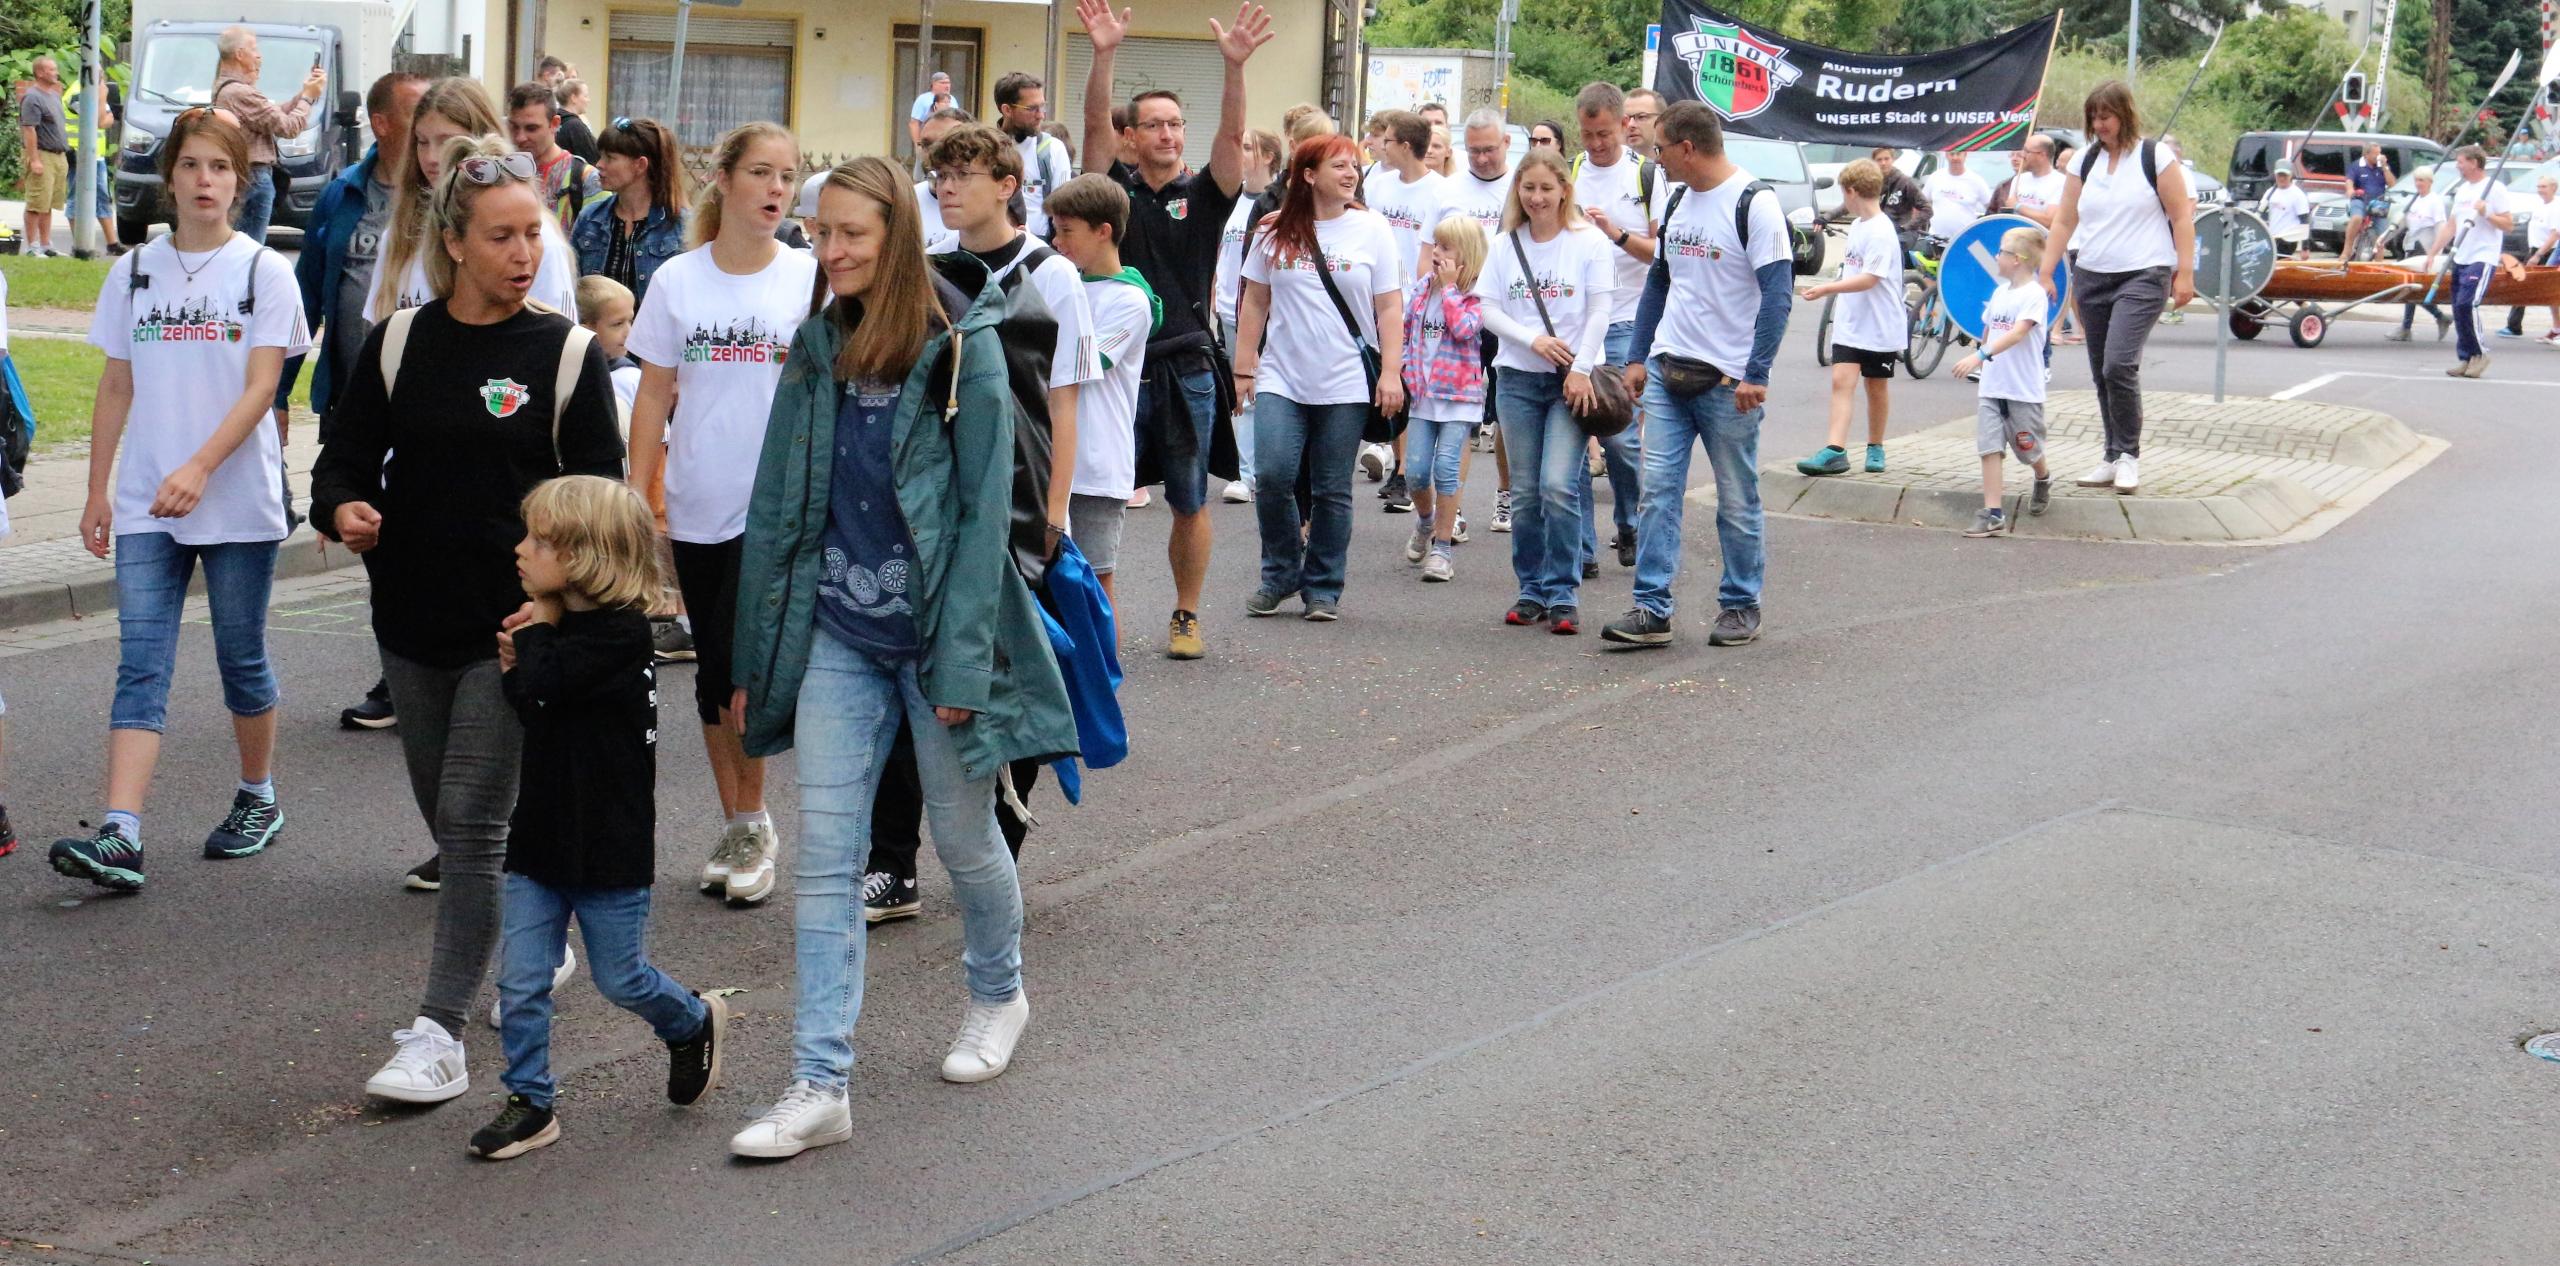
(2206, 128)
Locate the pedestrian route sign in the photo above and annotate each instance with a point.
(1970, 273)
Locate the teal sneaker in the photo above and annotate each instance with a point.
(1875, 459)
(246, 831)
(1830, 459)
(106, 859)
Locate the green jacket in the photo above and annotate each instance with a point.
(985, 646)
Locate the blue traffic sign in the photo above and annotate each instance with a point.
(1970, 273)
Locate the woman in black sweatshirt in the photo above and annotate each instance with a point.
(454, 411)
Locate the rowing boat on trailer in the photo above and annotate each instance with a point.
(2313, 281)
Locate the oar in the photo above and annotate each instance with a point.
(2171, 126)
(2471, 121)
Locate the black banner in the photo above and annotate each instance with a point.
(1979, 96)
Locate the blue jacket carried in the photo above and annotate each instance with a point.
(661, 238)
(322, 261)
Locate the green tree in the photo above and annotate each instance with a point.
(1929, 24)
(2283, 66)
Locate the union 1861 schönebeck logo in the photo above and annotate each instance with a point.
(1737, 74)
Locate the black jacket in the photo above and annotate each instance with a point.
(586, 814)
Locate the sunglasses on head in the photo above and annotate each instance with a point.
(482, 169)
(625, 123)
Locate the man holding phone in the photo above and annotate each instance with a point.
(235, 88)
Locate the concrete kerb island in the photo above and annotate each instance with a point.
(2243, 472)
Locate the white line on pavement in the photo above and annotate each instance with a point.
(2305, 388)
(2325, 379)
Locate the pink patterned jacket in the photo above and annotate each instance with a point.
(1455, 372)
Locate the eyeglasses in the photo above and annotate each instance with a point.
(956, 175)
(1646, 116)
(1160, 125)
(1030, 109)
(481, 169)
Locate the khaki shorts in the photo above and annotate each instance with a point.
(48, 183)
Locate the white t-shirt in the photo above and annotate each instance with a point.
(2288, 212)
(726, 337)
(1479, 199)
(2124, 227)
(2481, 242)
(1307, 354)
(1231, 258)
(1872, 319)
(1714, 306)
(1411, 209)
(2018, 373)
(2037, 193)
(937, 239)
(1572, 270)
(555, 280)
(189, 342)
(1107, 408)
(626, 388)
(1617, 191)
(1073, 360)
(2419, 223)
(2545, 227)
(1955, 202)
(1044, 168)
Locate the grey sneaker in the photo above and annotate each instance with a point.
(1437, 566)
(1263, 602)
(1323, 611)
(2400, 335)
(1735, 626)
(1988, 521)
(1638, 627)
(1419, 543)
(2041, 497)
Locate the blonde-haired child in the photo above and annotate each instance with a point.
(1444, 380)
(606, 307)
(2011, 415)
(1870, 327)
(582, 842)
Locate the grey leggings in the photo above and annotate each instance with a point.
(462, 742)
(2117, 311)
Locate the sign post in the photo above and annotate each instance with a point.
(1652, 52)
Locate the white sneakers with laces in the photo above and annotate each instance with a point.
(988, 1033)
(805, 1117)
(2102, 475)
(2128, 474)
(428, 1067)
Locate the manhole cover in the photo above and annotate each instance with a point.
(2546, 1046)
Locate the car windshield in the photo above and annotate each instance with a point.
(177, 67)
(1843, 154)
(1773, 161)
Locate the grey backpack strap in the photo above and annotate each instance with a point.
(573, 359)
(395, 342)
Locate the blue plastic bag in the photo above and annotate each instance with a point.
(1078, 616)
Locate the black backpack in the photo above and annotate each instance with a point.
(1804, 249)
(1027, 330)
(2150, 163)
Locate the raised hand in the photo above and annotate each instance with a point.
(1105, 28)
(1251, 31)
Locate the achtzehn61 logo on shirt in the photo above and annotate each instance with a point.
(196, 321)
(746, 342)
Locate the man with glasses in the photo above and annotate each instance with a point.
(1176, 217)
(1644, 109)
(1022, 105)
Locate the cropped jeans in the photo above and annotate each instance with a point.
(152, 571)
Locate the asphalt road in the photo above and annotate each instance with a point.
(2010, 901)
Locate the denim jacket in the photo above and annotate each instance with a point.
(1455, 371)
(659, 238)
(317, 268)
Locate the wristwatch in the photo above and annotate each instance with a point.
(1622, 239)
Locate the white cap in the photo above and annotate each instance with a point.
(807, 206)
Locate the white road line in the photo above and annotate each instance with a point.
(2305, 388)
(2325, 379)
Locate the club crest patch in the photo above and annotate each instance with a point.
(1178, 209)
(503, 396)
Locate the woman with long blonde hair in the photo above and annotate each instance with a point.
(450, 109)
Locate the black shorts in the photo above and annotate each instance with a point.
(1870, 364)
(707, 575)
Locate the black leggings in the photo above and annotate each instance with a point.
(897, 810)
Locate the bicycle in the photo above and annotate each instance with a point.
(1931, 328)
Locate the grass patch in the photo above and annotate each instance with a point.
(54, 283)
(62, 384)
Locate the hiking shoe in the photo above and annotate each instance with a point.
(1418, 544)
(670, 642)
(988, 1033)
(106, 859)
(374, 713)
(1735, 626)
(1263, 602)
(426, 876)
(8, 833)
(1502, 511)
(805, 1117)
(1626, 546)
(693, 1065)
(1458, 534)
(1830, 459)
(518, 1128)
(1988, 521)
(1524, 613)
(2400, 335)
(1560, 621)
(1875, 459)
(2041, 497)
(428, 1067)
(887, 898)
(1399, 499)
(1638, 627)
(1182, 637)
(1438, 566)
(1373, 461)
(1323, 610)
(246, 831)
(752, 875)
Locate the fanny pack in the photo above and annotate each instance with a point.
(1683, 377)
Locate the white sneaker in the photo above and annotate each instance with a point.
(559, 976)
(1418, 544)
(984, 1048)
(2102, 475)
(1438, 568)
(1236, 493)
(1458, 534)
(428, 1067)
(1502, 511)
(751, 876)
(1373, 461)
(1139, 500)
(805, 1117)
(2128, 474)
(724, 860)
(1484, 438)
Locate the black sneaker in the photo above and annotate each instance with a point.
(2042, 497)
(1638, 627)
(519, 1128)
(887, 898)
(372, 714)
(8, 833)
(106, 859)
(1399, 498)
(1591, 569)
(1322, 611)
(670, 642)
(1626, 549)
(693, 1065)
(1523, 614)
(246, 831)
(426, 876)
(1563, 621)
(1735, 626)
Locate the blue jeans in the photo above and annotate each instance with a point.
(1242, 425)
(2470, 281)
(1732, 440)
(1186, 478)
(1325, 438)
(1620, 455)
(257, 203)
(1432, 450)
(615, 922)
(152, 571)
(1547, 476)
(850, 705)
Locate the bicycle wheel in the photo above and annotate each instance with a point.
(1822, 333)
(1930, 332)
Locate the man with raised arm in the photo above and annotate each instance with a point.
(1175, 219)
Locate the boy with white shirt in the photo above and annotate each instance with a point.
(2011, 362)
(1622, 195)
(1957, 198)
(1870, 328)
(1412, 198)
(2288, 212)
(1088, 214)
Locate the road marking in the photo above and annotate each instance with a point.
(2290, 392)
(2302, 388)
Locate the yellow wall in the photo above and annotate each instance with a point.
(841, 95)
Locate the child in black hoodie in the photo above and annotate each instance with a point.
(583, 838)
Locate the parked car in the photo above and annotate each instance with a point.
(1783, 165)
(2319, 164)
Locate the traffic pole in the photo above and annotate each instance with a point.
(84, 179)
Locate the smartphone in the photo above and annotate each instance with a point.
(316, 59)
